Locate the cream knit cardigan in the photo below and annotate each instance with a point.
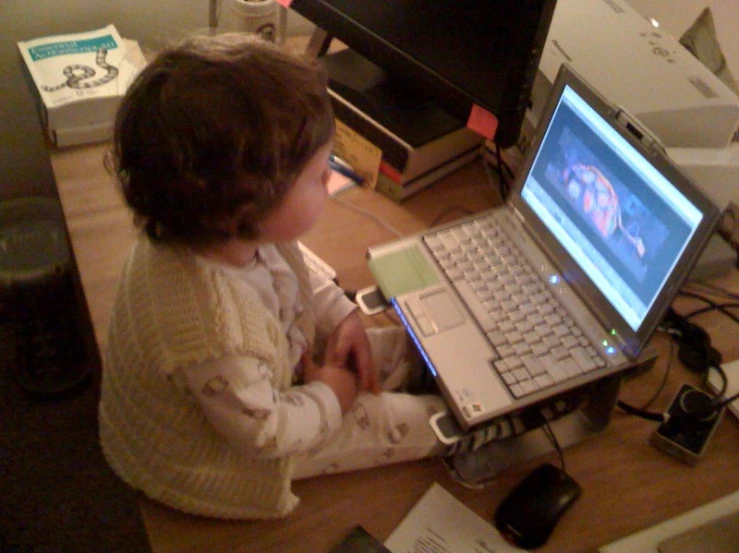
(173, 309)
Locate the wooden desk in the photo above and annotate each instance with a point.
(628, 485)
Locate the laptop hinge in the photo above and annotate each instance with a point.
(637, 129)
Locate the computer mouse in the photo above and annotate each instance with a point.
(528, 514)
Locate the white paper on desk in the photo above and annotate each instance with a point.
(647, 540)
(731, 370)
(440, 523)
(338, 182)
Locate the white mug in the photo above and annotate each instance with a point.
(251, 16)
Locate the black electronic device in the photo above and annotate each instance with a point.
(459, 55)
(529, 513)
(691, 420)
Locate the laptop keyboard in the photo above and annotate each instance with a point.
(537, 344)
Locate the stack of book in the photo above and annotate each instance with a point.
(420, 141)
(78, 81)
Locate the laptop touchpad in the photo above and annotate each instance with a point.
(441, 310)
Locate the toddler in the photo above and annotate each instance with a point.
(230, 369)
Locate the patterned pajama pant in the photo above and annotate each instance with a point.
(381, 429)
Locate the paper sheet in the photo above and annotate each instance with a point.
(338, 182)
(646, 540)
(440, 523)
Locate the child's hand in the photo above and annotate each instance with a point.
(349, 347)
(342, 381)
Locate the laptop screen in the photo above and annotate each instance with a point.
(623, 223)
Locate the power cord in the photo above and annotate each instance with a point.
(643, 410)
(495, 160)
(366, 213)
(697, 354)
(712, 306)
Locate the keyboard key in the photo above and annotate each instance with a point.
(544, 381)
(522, 348)
(532, 364)
(584, 360)
(509, 379)
(517, 391)
(528, 386)
(514, 337)
(570, 342)
(497, 338)
(521, 374)
(514, 362)
(553, 369)
(571, 367)
(539, 349)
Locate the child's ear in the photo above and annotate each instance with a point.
(326, 176)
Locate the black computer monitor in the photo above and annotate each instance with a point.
(457, 53)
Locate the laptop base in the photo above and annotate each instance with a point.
(477, 468)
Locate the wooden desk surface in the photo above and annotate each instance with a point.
(627, 484)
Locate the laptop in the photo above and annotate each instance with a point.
(598, 234)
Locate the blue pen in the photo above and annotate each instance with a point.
(343, 168)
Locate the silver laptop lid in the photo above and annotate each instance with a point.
(622, 223)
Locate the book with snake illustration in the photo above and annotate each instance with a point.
(78, 80)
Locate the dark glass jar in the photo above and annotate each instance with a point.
(38, 298)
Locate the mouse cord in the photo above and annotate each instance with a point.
(555, 442)
(643, 410)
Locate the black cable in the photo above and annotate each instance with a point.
(710, 308)
(501, 167)
(728, 400)
(712, 303)
(714, 406)
(643, 411)
(722, 376)
(714, 289)
(499, 157)
(504, 186)
(555, 442)
(668, 369)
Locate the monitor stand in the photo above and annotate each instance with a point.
(583, 423)
(385, 100)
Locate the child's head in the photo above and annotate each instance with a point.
(212, 134)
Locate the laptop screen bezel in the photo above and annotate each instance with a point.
(633, 341)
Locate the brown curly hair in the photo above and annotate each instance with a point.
(212, 134)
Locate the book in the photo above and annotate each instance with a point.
(414, 134)
(78, 80)
(362, 155)
(358, 540)
(399, 192)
